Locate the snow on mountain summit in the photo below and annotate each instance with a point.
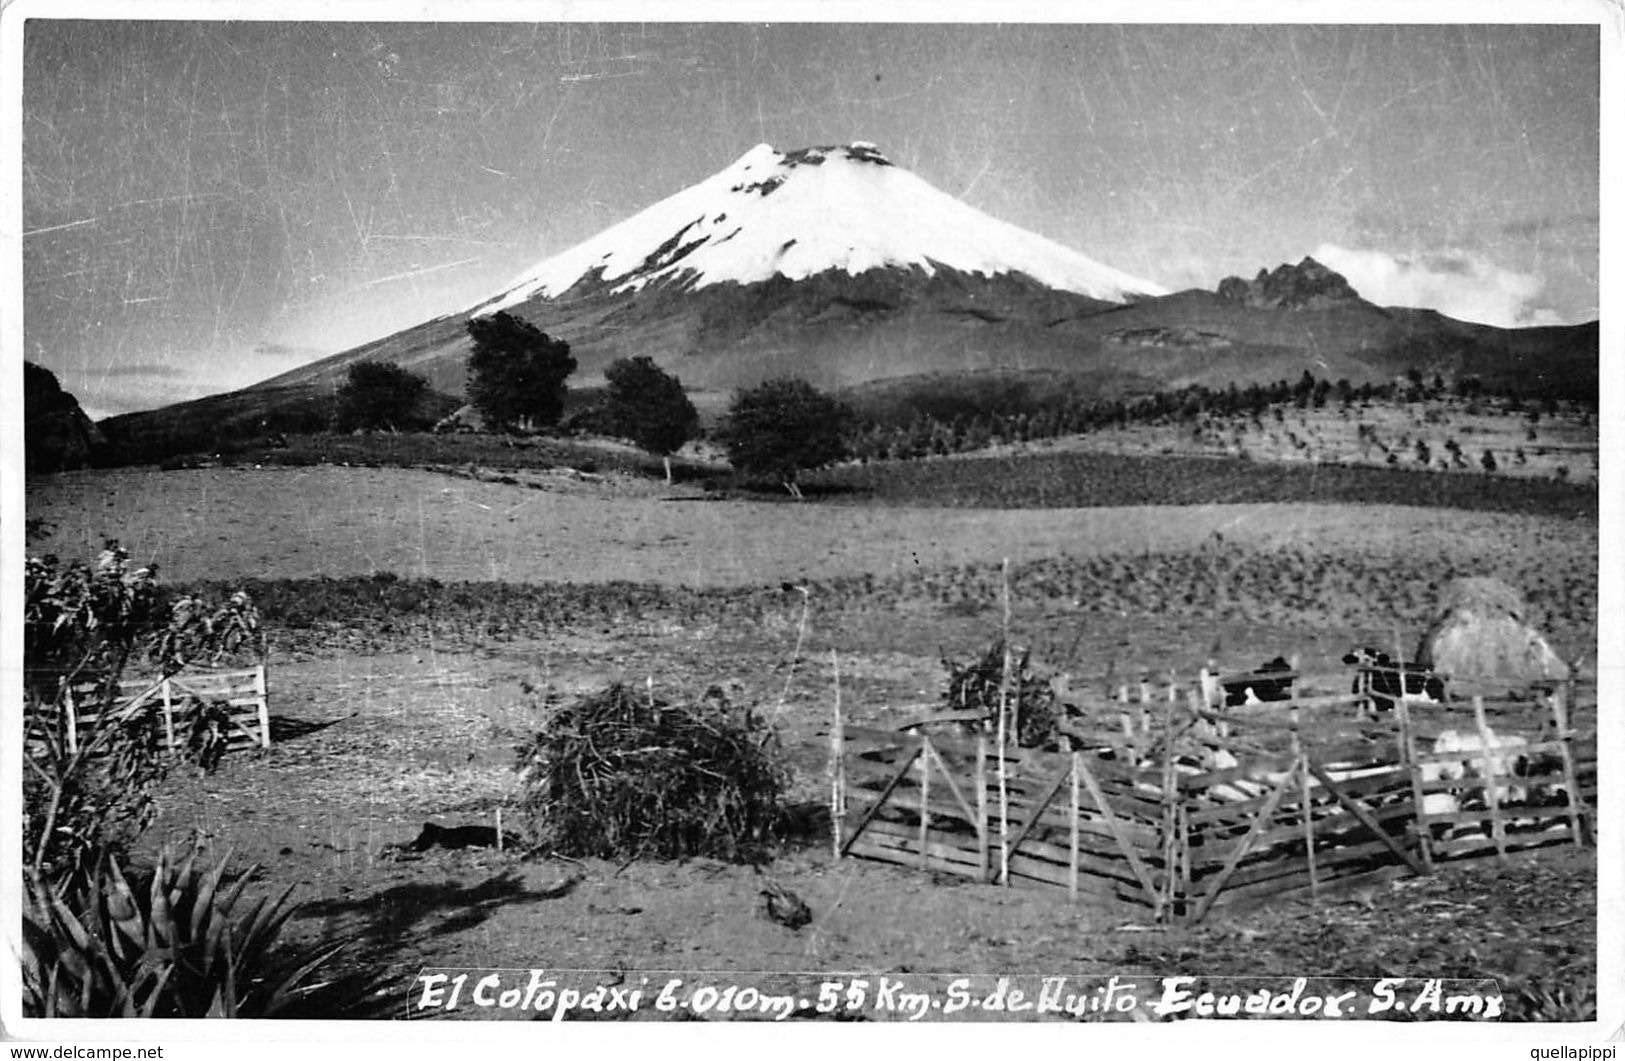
(804, 212)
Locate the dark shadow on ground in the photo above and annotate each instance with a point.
(389, 914)
(287, 729)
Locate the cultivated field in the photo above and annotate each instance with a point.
(390, 711)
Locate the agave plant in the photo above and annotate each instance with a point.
(177, 945)
(1537, 999)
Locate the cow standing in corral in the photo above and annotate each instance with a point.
(1271, 682)
(1380, 682)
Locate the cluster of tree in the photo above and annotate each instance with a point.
(380, 396)
(517, 380)
(872, 438)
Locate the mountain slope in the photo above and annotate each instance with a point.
(829, 263)
(834, 265)
(57, 433)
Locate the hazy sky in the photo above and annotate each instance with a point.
(207, 204)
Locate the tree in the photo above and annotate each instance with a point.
(648, 406)
(516, 372)
(57, 434)
(782, 428)
(380, 395)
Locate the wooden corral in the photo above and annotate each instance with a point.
(245, 721)
(1177, 807)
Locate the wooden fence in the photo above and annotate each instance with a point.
(245, 721)
(957, 806)
(1174, 806)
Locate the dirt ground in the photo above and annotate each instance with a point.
(370, 747)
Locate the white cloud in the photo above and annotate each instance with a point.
(1456, 283)
(166, 379)
(1183, 271)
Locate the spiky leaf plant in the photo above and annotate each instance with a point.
(175, 944)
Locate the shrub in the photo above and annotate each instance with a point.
(379, 395)
(171, 944)
(516, 373)
(980, 686)
(782, 428)
(620, 774)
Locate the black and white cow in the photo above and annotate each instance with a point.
(1259, 686)
(1381, 681)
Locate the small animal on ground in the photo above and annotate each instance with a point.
(1381, 682)
(785, 906)
(457, 837)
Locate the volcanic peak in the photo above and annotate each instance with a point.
(799, 213)
(1307, 285)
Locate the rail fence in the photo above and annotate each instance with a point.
(240, 697)
(1176, 805)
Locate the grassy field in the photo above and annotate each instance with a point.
(331, 522)
(1067, 478)
(409, 609)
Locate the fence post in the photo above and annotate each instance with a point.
(1407, 755)
(926, 753)
(1571, 692)
(837, 763)
(1571, 778)
(1004, 735)
(262, 690)
(70, 709)
(1072, 861)
(982, 840)
(1490, 766)
(169, 717)
(1300, 762)
(1170, 809)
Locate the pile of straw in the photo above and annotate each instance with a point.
(1481, 632)
(621, 775)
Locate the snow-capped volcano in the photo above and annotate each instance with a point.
(806, 212)
(834, 266)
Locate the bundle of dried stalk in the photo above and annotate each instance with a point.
(620, 774)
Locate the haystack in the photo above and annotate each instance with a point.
(620, 774)
(1481, 634)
